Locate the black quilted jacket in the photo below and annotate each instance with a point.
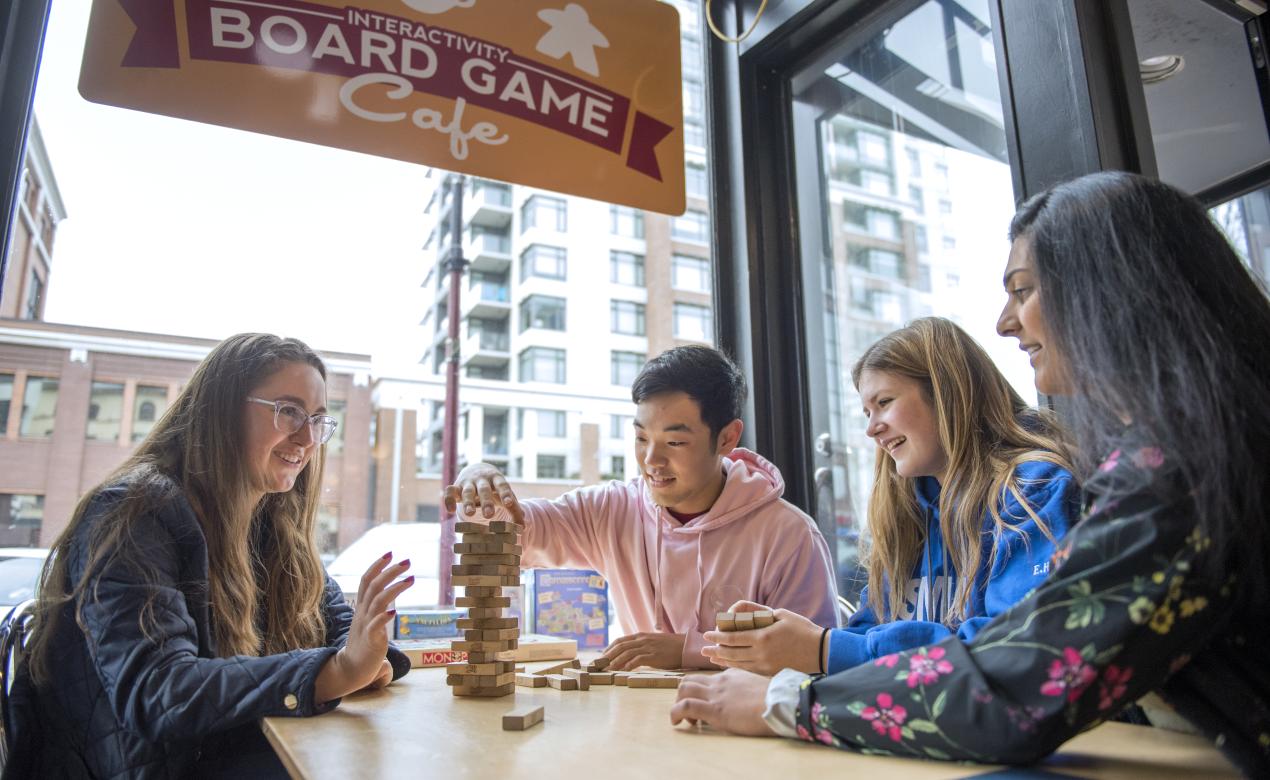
(124, 705)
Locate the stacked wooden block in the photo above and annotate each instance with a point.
(744, 621)
(489, 560)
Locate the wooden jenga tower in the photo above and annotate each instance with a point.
(489, 559)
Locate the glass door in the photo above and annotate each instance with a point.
(904, 194)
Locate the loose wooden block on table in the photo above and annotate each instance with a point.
(531, 681)
(599, 664)
(601, 678)
(621, 678)
(652, 681)
(583, 678)
(562, 683)
(522, 718)
(502, 690)
(558, 668)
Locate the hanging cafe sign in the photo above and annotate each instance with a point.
(579, 96)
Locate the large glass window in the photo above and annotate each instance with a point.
(690, 273)
(21, 518)
(892, 117)
(626, 221)
(691, 226)
(626, 268)
(495, 432)
(625, 367)
(695, 180)
(627, 318)
(619, 425)
(542, 364)
(547, 262)
(6, 400)
(1246, 222)
(543, 212)
(542, 311)
(105, 411)
(693, 322)
(551, 467)
(39, 407)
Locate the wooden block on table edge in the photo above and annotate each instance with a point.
(652, 681)
(523, 718)
(531, 681)
(725, 621)
(481, 681)
(621, 678)
(502, 690)
(562, 683)
(492, 622)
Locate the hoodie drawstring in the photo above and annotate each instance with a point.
(657, 578)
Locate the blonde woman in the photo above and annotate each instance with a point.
(186, 599)
(972, 490)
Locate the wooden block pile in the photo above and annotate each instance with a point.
(572, 676)
(489, 560)
(744, 621)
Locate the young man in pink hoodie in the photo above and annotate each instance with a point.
(701, 528)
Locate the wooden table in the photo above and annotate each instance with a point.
(415, 728)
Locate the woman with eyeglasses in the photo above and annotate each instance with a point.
(1132, 304)
(186, 600)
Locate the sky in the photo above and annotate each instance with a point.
(179, 227)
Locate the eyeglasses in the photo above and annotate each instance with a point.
(289, 418)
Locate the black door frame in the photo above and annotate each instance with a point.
(1073, 105)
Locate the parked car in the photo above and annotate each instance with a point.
(420, 542)
(19, 572)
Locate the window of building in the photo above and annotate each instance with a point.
(542, 311)
(945, 206)
(550, 467)
(6, 400)
(693, 322)
(547, 262)
(21, 517)
(498, 372)
(617, 467)
(551, 423)
(39, 406)
(626, 268)
(626, 221)
(950, 243)
(542, 364)
(882, 262)
(914, 161)
(148, 406)
(695, 180)
(882, 223)
(625, 367)
(627, 318)
(690, 273)
(487, 286)
(544, 212)
(34, 293)
(694, 134)
(694, 99)
(919, 235)
(691, 226)
(105, 411)
(916, 195)
(619, 426)
(495, 432)
(337, 409)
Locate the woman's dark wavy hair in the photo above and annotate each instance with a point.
(1161, 323)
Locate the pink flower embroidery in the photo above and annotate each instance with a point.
(886, 719)
(825, 736)
(817, 713)
(1148, 458)
(925, 667)
(887, 660)
(802, 733)
(1110, 463)
(1114, 683)
(1071, 675)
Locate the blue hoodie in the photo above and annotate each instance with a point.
(1022, 563)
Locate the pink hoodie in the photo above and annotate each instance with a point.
(673, 578)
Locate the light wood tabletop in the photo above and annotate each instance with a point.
(415, 728)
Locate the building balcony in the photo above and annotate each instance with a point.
(487, 300)
(488, 204)
(484, 348)
(488, 251)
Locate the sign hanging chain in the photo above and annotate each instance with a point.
(727, 39)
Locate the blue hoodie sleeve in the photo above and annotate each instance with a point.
(1022, 563)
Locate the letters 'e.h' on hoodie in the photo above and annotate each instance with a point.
(672, 577)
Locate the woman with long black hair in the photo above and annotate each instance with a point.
(1131, 303)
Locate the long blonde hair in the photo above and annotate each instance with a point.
(264, 598)
(985, 429)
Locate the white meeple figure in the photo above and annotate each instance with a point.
(438, 6)
(572, 34)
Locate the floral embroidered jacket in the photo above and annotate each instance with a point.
(1124, 613)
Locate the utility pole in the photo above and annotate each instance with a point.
(453, 264)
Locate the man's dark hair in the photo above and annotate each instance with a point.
(705, 374)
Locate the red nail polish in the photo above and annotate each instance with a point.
(406, 562)
(392, 612)
(410, 579)
(387, 555)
